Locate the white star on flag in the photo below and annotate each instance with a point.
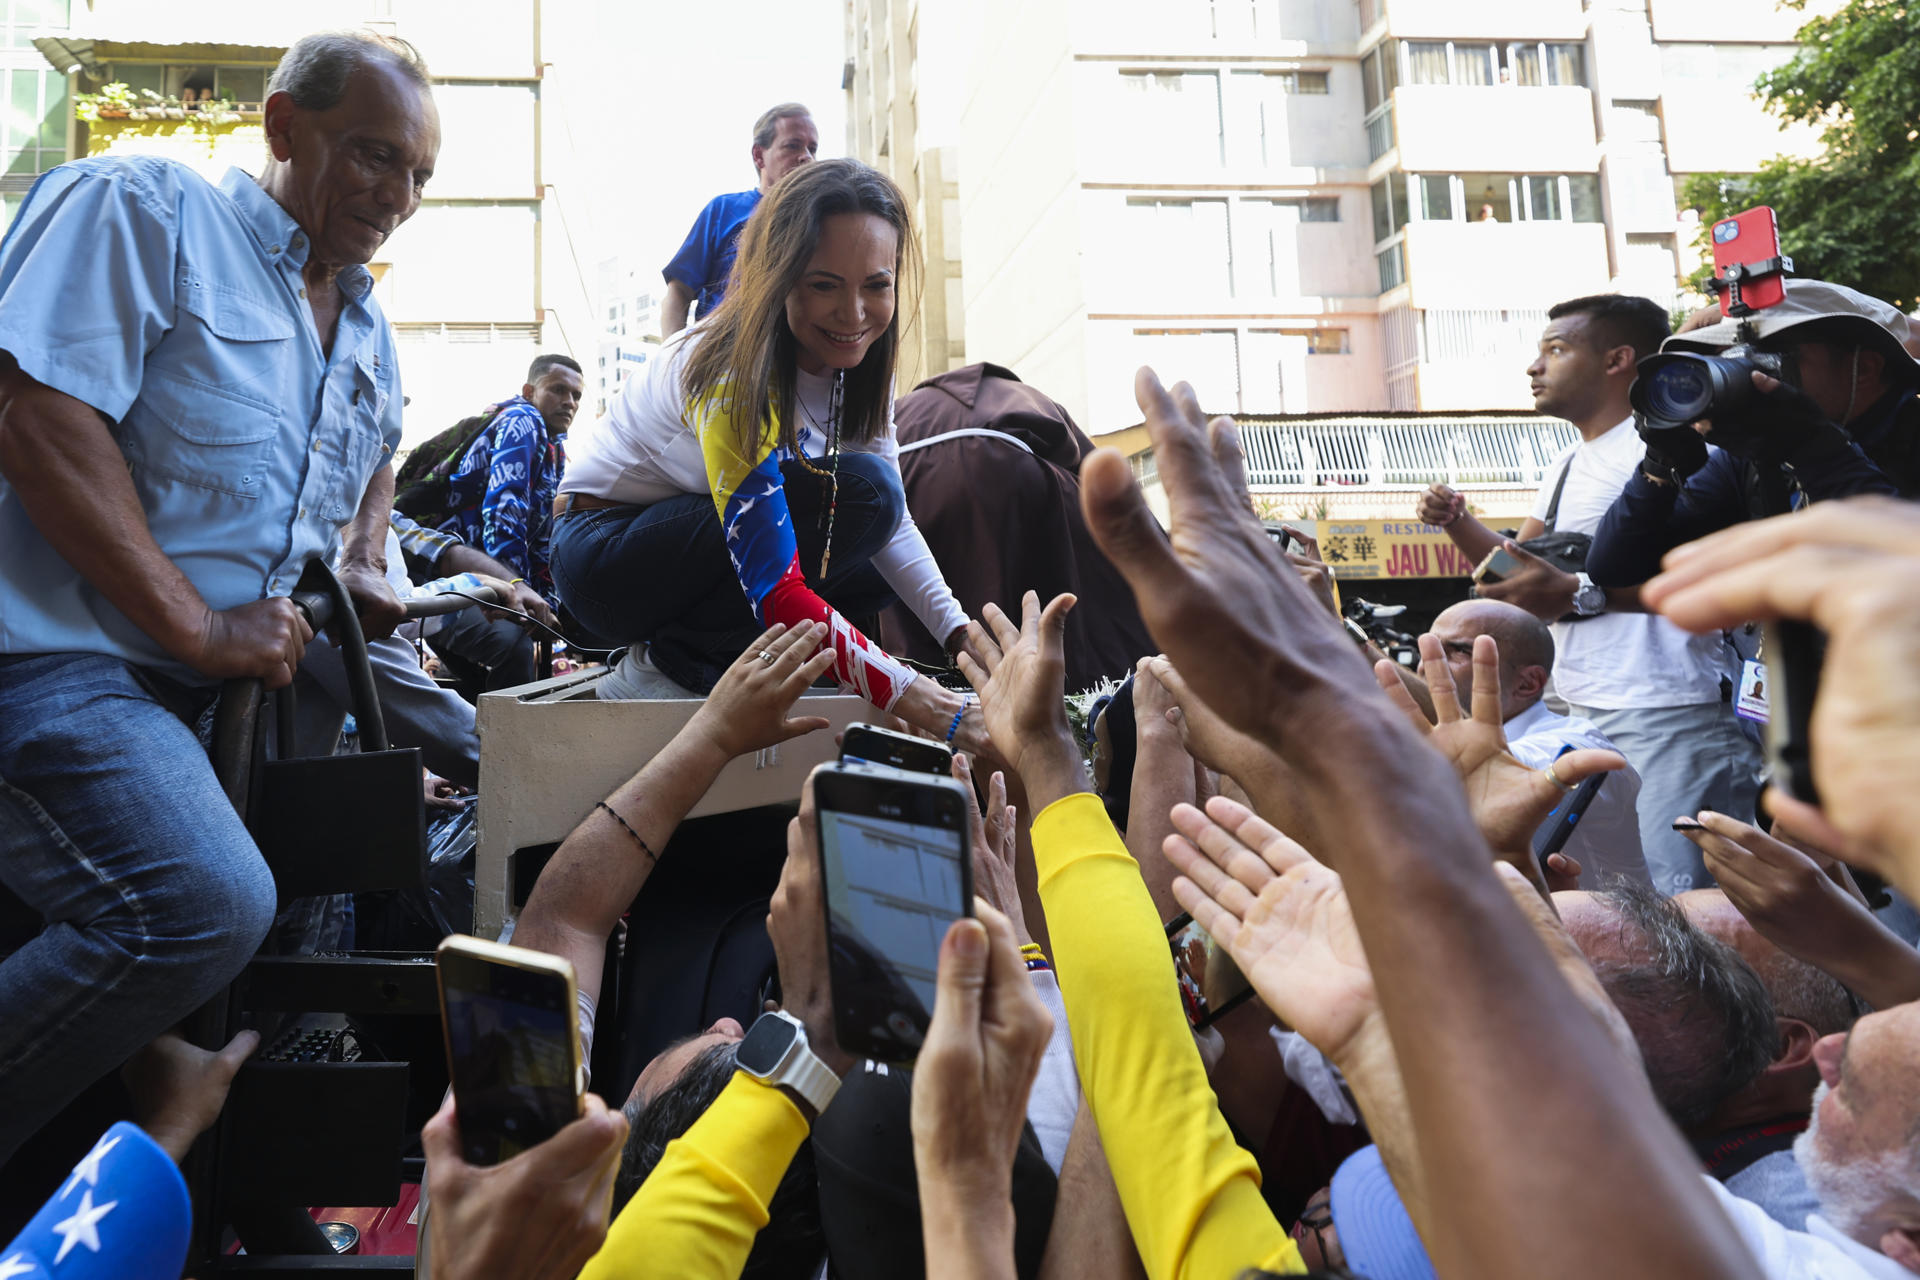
(89, 1166)
(82, 1227)
(14, 1266)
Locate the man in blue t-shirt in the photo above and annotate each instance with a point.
(783, 140)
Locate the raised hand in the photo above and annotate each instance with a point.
(1223, 603)
(748, 709)
(1218, 746)
(992, 840)
(1440, 505)
(1542, 589)
(1794, 904)
(1852, 568)
(537, 1216)
(970, 1086)
(1281, 916)
(797, 926)
(1508, 799)
(1022, 691)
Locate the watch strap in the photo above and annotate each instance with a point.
(799, 1069)
(807, 1076)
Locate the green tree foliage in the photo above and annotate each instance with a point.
(1847, 216)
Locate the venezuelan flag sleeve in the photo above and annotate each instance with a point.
(750, 496)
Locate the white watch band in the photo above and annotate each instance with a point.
(807, 1076)
(799, 1068)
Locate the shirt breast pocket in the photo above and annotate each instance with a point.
(366, 435)
(206, 414)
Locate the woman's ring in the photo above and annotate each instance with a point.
(767, 656)
(1555, 778)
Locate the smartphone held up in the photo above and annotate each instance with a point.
(895, 874)
(513, 1053)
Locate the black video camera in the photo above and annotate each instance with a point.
(1677, 387)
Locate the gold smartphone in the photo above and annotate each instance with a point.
(512, 1049)
(1500, 563)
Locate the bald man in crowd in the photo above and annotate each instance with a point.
(1606, 842)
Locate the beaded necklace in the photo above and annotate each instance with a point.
(832, 432)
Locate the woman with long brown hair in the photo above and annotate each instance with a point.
(749, 475)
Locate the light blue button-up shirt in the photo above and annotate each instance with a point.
(177, 310)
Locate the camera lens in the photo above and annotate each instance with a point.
(1680, 391)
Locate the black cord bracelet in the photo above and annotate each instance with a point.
(651, 855)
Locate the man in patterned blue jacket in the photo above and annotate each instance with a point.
(502, 493)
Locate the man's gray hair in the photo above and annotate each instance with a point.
(316, 69)
(1701, 1015)
(769, 123)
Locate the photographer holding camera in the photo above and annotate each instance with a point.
(1824, 404)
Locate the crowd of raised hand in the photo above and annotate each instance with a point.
(1362, 856)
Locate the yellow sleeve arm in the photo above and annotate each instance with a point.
(696, 1215)
(1191, 1194)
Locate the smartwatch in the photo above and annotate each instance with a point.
(1589, 599)
(775, 1052)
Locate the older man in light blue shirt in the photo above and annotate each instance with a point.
(201, 397)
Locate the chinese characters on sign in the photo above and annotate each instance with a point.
(1389, 549)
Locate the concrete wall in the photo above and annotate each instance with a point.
(1311, 383)
(1257, 265)
(1019, 202)
(1187, 28)
(1474, 384)
(1486, 19)
(1732, 20)
(1504, 264)
(1494, 128)
(485, 39)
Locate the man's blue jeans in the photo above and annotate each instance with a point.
(661, 573)
(114, 829)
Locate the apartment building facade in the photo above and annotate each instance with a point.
(470, 283)
(882, 79)
(629, 302)
(1320, 206)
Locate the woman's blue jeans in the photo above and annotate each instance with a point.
(661, 573)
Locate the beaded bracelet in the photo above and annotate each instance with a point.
(1037, 964)
(955, 726)
(651, 855)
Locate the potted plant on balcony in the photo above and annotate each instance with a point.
(113, 102)
(160, 106)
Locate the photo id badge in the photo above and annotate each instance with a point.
(1751, 702)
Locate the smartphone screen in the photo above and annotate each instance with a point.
(875, 745)
(894, 867)
(1193, 949)
(510, 1038)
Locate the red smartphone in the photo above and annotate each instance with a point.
(1748, 238)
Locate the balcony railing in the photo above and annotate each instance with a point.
(1380, 131)
(1396, 454)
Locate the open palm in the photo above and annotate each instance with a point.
(1508, 799)
(1280, 915)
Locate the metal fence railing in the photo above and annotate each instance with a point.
(1398, 453)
